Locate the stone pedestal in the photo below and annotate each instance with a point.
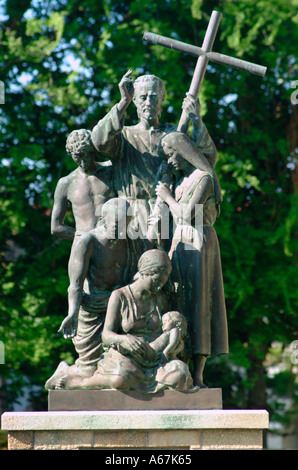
(136, 429)
(100, 400)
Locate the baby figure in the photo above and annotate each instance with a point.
(165, 347)
(171, 341)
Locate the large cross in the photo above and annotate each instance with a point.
(205, 54)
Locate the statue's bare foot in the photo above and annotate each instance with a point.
(60, 371)
(60, 384)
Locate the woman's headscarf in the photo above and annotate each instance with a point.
(188, 150)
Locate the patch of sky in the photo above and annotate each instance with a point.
(211, 69)
(71, 63)
(34, 164)
(231, 126)
(3, 16)
(33, 188)
(105, 97)
(292, 161)
(227, 99)
(26, 78)
(6, 161)
(29, 14)
(115, 17)
(82, 118)
(44, 8)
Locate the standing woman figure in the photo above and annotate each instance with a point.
(195, 252)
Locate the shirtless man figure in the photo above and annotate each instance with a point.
(86, 188)
(98, 264)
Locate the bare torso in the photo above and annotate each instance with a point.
(107, 263)
(86, 193)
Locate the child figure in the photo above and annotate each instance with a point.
(165, 347)
(171, 341)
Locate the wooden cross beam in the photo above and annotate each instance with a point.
(205, 54)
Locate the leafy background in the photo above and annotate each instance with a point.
(61, 62)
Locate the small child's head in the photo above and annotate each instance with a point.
(174, 319)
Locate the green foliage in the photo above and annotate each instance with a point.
(61, 63)
(3, 440)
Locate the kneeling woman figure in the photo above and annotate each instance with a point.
(133, 324)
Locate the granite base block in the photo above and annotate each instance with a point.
(136, 429)
(96, 400)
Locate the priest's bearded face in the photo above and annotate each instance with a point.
(148, 100)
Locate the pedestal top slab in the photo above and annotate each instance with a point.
(135, 419)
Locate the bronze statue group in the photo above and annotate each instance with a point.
(144, 310)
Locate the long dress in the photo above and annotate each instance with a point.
(197, 272)
(137, 373)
